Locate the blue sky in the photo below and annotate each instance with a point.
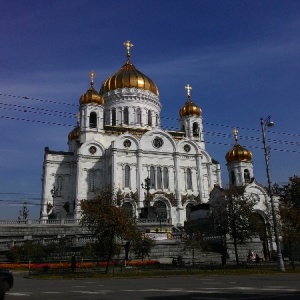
(240, 57)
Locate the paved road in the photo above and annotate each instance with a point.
(283, 286)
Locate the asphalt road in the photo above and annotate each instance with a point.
(283, 286)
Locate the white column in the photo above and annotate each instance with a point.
(139, 179)
(177, 184)
(199, 175)
(46, 194)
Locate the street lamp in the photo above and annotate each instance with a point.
(268, 123)
(147, 187)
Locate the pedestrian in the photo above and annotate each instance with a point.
(73, 263)
(257, 259)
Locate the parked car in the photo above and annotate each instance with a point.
(6, 282)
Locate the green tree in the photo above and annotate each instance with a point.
(108, 223)
(142, 246)
(234, 212)
(289, 207)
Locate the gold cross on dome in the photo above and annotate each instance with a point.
(128, 46)
(188, 88)
(92, 76)
(235, 132)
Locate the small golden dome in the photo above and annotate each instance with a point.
(91, 95)
(74, 134)
(190, 108)
(128, 77)
(238, 153)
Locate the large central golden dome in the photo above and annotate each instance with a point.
(128, 77)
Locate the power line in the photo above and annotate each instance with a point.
(162, 117)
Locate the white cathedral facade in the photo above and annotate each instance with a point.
(119, 142)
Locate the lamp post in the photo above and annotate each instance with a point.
(268, 123)
(147, 187)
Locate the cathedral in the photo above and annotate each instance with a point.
(119, 142)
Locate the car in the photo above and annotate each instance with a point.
(6, 282)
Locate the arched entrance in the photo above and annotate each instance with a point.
(160, 209)
(127, 206)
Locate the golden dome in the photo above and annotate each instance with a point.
(74, 134)
(91, 95)
(128, 77)
(238, 153)
(189, 108)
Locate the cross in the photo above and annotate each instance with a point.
(235, 132)
(188, 88)
(92, 76)
(128, 45)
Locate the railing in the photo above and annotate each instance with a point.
(74, 222)
(39, 222)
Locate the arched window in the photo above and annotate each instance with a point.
(195, 129)
(182, 128)
(149, 118)
(127, 176)
(156, 120)
(159, 178)
(113, 117)
(152, 177)
(59, 186)
(166, 178)
(91, 181)
(247, 176)
(189, 183)
(93, 120)
(126, 116)
(138, 116)
(232, 178)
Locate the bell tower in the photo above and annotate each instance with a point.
(191, 119)
(239, 164)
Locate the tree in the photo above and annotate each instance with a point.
(108, 223)
(142, 246)
(289, 196)
(234, 214)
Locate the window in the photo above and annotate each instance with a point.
(138, 116)
(166, 178)
(156, 120)
(127, 176)
(195, 129)
(126, 116)
(247, 176)
(91, 181)
(160, 209)
(152, 177)
(182, 128)
(149, 118)
(232, 178)
(189, 183)
(159, 178)
(113, 117)
(59, 186)
(93, 120)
